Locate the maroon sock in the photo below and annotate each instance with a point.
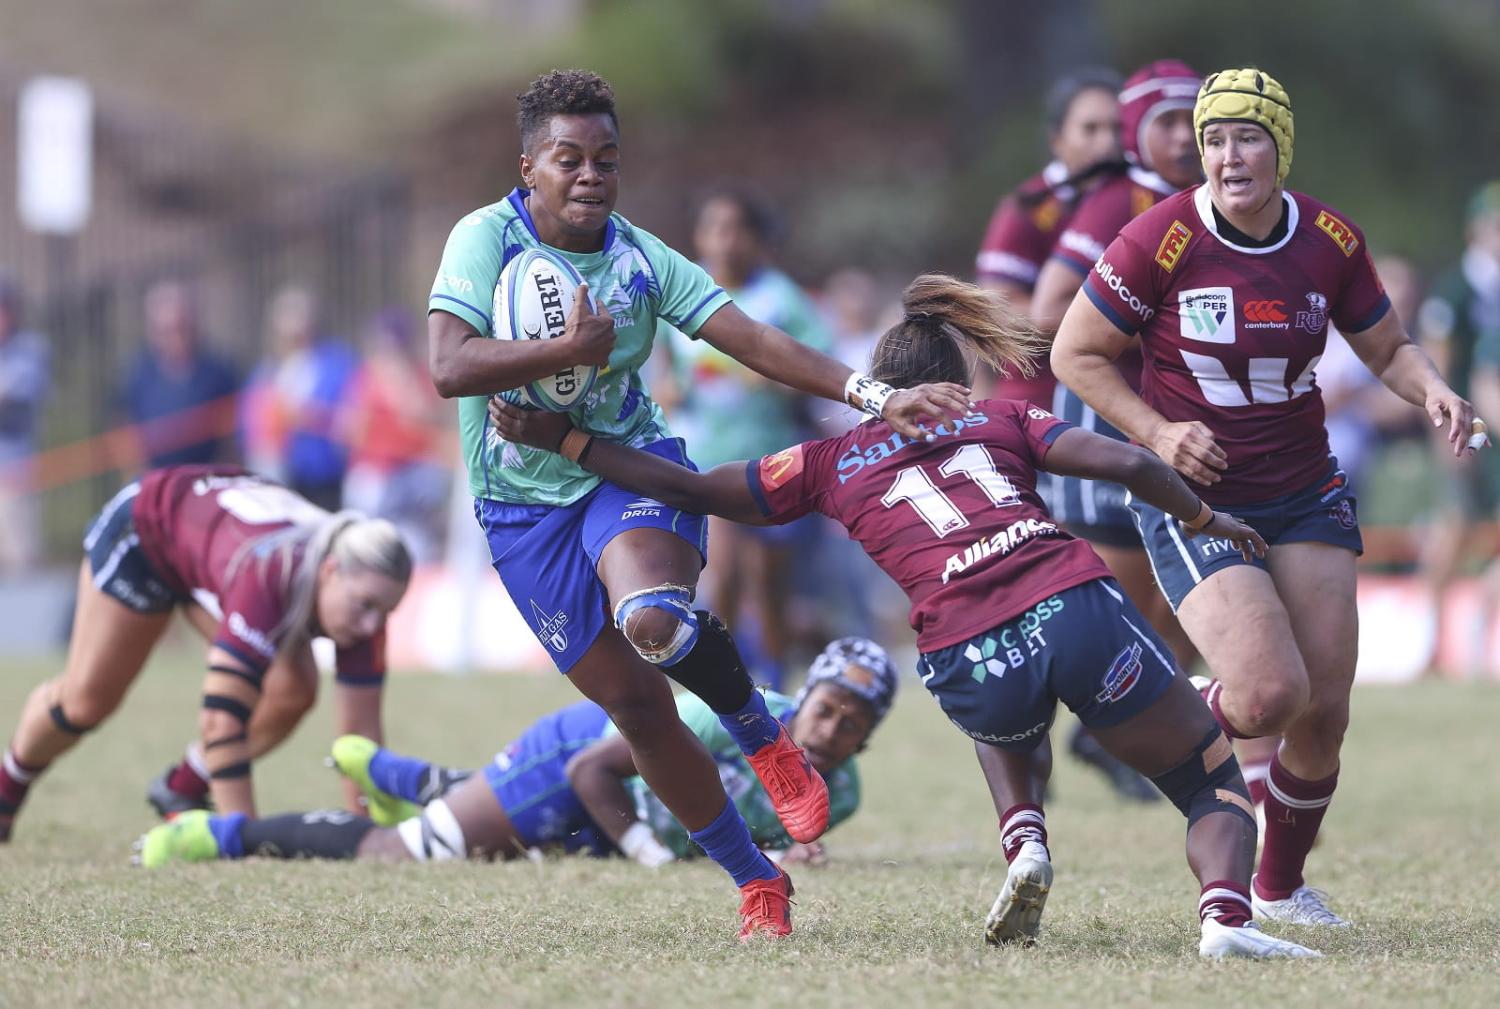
(1256, 772)
(1211, 694)
(15, 781)
(187, 782)
(1294, 811)
(1022, 823)
(1226, 902)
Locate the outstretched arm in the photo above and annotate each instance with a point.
(1094, 457)
(723, 490)
(598, 775)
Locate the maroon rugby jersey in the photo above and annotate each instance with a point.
(1096, 223)
(1020, 237)
(1232, 335)
(194, 522)
(956, 522)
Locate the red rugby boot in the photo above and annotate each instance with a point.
(798, 793)
(766, 907)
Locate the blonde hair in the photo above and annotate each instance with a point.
(352, 540)
(946, 325)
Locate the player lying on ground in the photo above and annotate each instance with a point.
(259, 571)
(569, 782)
(1229, 290)
(1012, 614)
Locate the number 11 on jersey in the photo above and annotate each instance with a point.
(912, 484)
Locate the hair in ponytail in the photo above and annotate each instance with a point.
(354, 541)
(947, 324)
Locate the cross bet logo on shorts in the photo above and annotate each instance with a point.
(1207, 314)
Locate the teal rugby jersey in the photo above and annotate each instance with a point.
(640, 280)
(741, 784)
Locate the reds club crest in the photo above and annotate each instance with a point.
(1316, 317)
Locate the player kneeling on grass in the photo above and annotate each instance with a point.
(259, 571)
(569, 782)
(1012, 614)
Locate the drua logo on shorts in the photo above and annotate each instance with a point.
(1112, 280)
(643, 508)
(1123, 674)
(1207, 314)
(550, 629)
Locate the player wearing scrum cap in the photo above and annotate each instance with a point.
(568, 782)
(1230, 288)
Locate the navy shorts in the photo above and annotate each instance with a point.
(530, 781)
(1322, 512)
(1087, 646)
(119, 566)
(546, 555)
(1094, 510)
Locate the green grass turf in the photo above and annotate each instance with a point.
(1410, 854)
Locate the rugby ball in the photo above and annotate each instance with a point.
(533, 300)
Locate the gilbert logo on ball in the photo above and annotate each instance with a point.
(533, 300)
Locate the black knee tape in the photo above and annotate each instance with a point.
(238, 737)
(713, 669)
(240, 770)
(249, 676)
(61, 721)
(330, 833)
(229, 705)
(1209, 781)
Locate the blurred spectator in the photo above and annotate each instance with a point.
(25, 378)
(737, 414)
(179, 391)
(1361, 412)
(1454, 324)
(396, 426)
(853, 309)
(291, 405)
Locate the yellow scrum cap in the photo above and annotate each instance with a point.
(1247, 96)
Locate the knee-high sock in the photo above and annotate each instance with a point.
(1294, 812)
(727, 841)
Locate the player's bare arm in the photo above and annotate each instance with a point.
(1094, 457)
(1083, 359)
(463, 363)
(774, 354)
(598, 775)
(721, 491)
(1406, 370)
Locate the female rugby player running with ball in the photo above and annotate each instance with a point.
(259, 571)
(1012, 614)
(1230, 288)
(567, 783)
(571, 549)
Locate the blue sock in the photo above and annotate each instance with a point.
(752, 727)
(226, 831)
(400, 776)
(727, 841)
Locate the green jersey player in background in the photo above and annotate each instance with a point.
(606, 578)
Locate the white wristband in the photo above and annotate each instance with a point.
(640, 843)
(867, 395)
(1479, 436)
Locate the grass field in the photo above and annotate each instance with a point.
(1411, 854)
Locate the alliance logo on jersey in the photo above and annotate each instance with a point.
(1343, 236)
(998, 545)
(1123, 674)
(1172, 244)
(1316, 317)
(550, 629)
(1207, 314)
(1266, 314)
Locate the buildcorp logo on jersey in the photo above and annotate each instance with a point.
(1112, 280)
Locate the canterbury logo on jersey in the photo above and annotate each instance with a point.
(1265, 315)
(1343, 236)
